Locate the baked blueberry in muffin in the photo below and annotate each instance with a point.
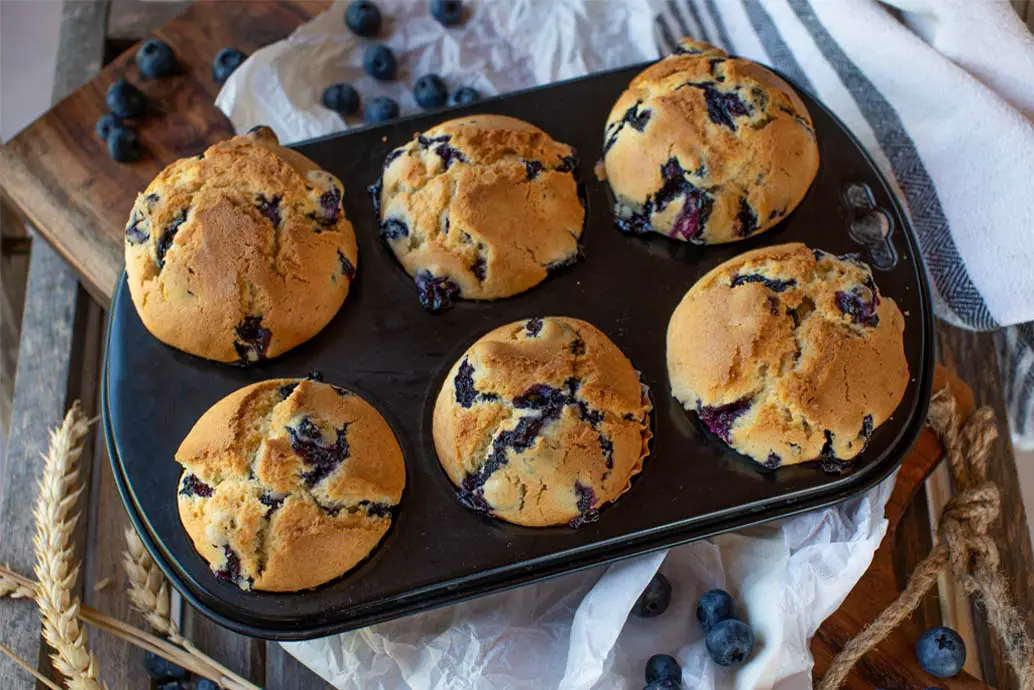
(789, 355)
(480, 207)
(706, 148)
(288, 484)
(241, 254)
(542, 422)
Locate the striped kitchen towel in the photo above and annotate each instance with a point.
(941, 94)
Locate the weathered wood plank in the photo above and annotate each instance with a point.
(59, 174)
(244, 655)
(40, 395)
(973, 357)
(284, 671)
(131, 20)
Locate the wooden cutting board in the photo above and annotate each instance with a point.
(59, 175)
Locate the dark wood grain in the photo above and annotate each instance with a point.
(892, 664)
(59, 175)
(284, 671)
(973, 357)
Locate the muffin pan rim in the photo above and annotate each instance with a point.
(567, 559)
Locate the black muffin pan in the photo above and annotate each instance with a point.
(383, 345)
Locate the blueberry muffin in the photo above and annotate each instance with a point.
(789, 354)
(239, 253)
(288, 484)
(707, 149)
(480, 207)
(542, 422)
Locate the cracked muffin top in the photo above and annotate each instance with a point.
(707, 149)
(288, 484)
(239, 253)
(480, 207)
(789, 354)
(542, 422)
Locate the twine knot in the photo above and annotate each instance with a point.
(964, 545)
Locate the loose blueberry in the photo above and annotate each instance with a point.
(664, 684)
(172, 685)
(715, 606)
(465, 95)
(155, 59)
(106, 124)
(941, 652)
(663, 667)
(730, 642)
(380, 109)
(226, 61)
(430, 91)
(448, 12)
(379, 62)
(122, 145)
(125, 100)
(363, 18)
(162, 669)
(654, 599)
(341, 98)
(205, 684)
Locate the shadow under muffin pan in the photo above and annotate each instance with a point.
(383, 345)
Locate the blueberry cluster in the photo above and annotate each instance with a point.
(729, 640)
(169, 676)
(154, 59)
(363, 18)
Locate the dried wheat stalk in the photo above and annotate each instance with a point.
(25, 665)
(14, 588)
(149, 594)
(189, 658)
(56, 569)
(148, 590)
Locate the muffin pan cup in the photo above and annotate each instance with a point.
(384, 346)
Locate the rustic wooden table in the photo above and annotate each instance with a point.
(58, 177)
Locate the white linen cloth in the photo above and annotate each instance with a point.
(938, 91)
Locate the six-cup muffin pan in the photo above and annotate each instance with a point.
(383, 345)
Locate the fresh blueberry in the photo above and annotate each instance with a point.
(226, 61)
(654, 599)
(172, 685)
(715, 606)
(106, 124)
(730, 642)
(363, 18)
(941, 652)
(663, 684)
(448, 12)
(379, 62)
(162, 669)
(155, 59)
(341, 98)
(430, 91)
(465, 95)
(122, 145)
(205, 684)
(125, 100)
(380, 109)
(663, 667)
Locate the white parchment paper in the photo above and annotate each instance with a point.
(572, 632)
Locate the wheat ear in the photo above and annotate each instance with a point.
(56, 569)
(149, 594)
(189, 657)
